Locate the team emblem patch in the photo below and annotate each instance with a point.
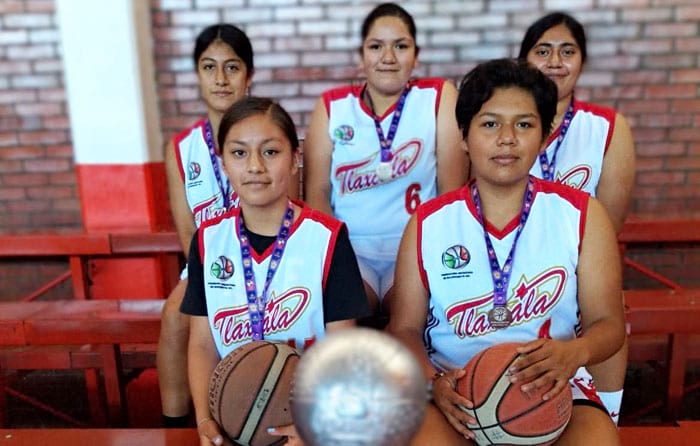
(222, 268)
(344, 133)
(193, 170)
(455, 257)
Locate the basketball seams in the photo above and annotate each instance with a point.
(272, 375)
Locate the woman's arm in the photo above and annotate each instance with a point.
(318, 148)
(409, 312)
(617, 178)
(452, 159)
(602, 313)
(202, 358)
(182, 214)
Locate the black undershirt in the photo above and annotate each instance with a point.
(343, 296)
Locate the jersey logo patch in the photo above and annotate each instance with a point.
(193, 170)
(344, 133)
(455, 257)
(222, 268)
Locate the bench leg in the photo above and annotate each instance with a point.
(677, 358)
(114, 384)
(95, 402)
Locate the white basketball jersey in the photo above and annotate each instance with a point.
(294, 309)
(204, 196)
(455, 269)
(579, 161)
(377, 211)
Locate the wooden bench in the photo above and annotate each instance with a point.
(106, 325)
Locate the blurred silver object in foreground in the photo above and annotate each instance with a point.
(358, 387)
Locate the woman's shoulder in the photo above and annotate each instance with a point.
(341, 91)
(196, 126)
(596, 109)
(309, 213)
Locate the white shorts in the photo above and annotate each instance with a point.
(376, 257)
(583, 390)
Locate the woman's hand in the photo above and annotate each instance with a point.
(448, 400)
(209, 433)
(288, 431)
(544, 362)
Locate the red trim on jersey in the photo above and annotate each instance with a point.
(177, 139)
(332, 224)
(607, 113)
(343, 92)
(578, 199)
(424, 211)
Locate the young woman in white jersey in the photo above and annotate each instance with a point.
(198, 190)
(558, 292)
(591, 149)
(313, 286)
(374, 151)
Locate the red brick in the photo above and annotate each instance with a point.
(196, 18)
(643, 106)
(25, 179)
(29, 205)
(681, 76)
(10, 6)
(689, 44)
(63, 178)
(626, 92)
(670, 91)
(642, 134)
(43, 137)
(52, 95)
(661, 178)
(60, 151)
(6, 138)
(57, 123)
(50, 192)
(21, 152)
(12, 193)
(660, 149)
(46, 165)
(10, 166)
(40, 5)
(684, 163)
(647, 46)
(642, 77)
(685, 105)
(669, 61)
(665, 120)
(40, 109)
(694, 150)
(16, 96)
(645, 164)
(692, 134)
(678, 29)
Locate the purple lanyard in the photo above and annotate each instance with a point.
(256, 303)
(209, 138)
(547, 166)
(500, 316)
(385, 143)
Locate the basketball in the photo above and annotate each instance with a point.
(505, 414)
(249, 391)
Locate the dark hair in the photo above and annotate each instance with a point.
(388, 10)
(251, 106)
(479, 84)
(230, 35)
(535, 31)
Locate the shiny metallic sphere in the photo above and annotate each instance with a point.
(358, 387)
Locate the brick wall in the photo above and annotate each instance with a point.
(643, 60)
(37, 177)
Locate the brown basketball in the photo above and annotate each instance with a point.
(504, 413)
(249, 391)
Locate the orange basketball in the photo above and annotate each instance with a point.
(505, 414)
(249, 391)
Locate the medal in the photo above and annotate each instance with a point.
(383, 170)
(500, 316)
